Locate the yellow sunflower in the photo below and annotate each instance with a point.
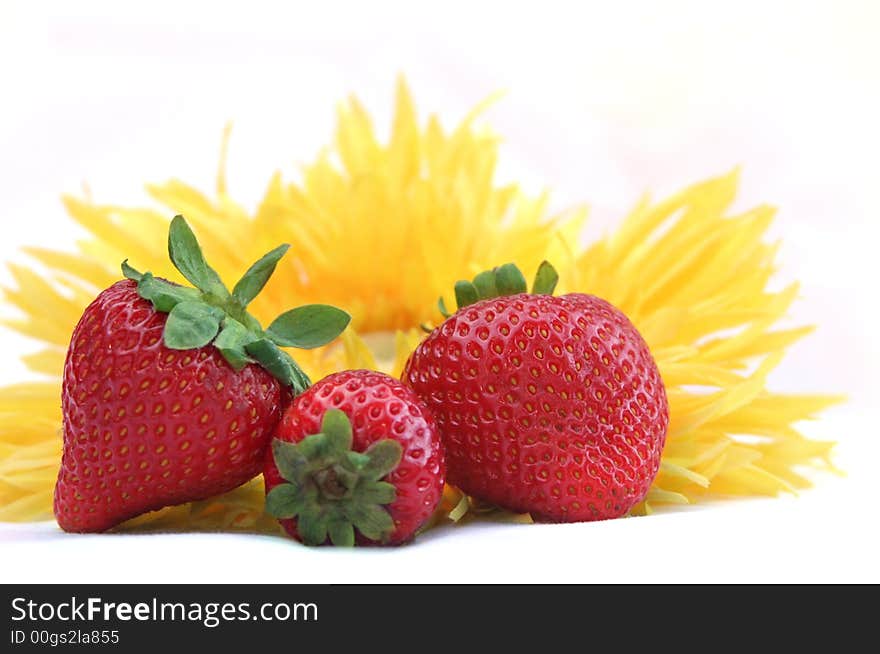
(382, 230)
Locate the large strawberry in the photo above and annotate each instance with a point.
(356, 458)
(547, 405)
(170, 394)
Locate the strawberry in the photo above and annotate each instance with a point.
(170, 394)
(382, 477)
(546, 405)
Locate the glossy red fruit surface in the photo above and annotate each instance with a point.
(378, 407)
(146, 426)
(547, 405)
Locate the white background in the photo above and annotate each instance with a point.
(603, 102)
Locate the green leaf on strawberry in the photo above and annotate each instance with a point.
(441, 306)
(232, 341)
(163, 294)
(308, 327)
(330, 489)
(191, 325)
(210, 314)
(253, 281)
(504, 280)
(485, 285)
(278, 362)
(187, 257)
(545, 279)
(465, 293)
(509, 280)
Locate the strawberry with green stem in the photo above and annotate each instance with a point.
(323, 465)
(210, 314)
(356, 459)
(548, 405)
(170, 394)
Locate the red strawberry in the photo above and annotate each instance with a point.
(546, 405)
(163, 399)
(324, 477)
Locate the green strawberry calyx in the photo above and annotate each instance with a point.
(210, 314)
(502, 280)
(332, 490)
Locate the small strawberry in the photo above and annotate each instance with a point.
(170, 394)
(382, 477)
(546, 405)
